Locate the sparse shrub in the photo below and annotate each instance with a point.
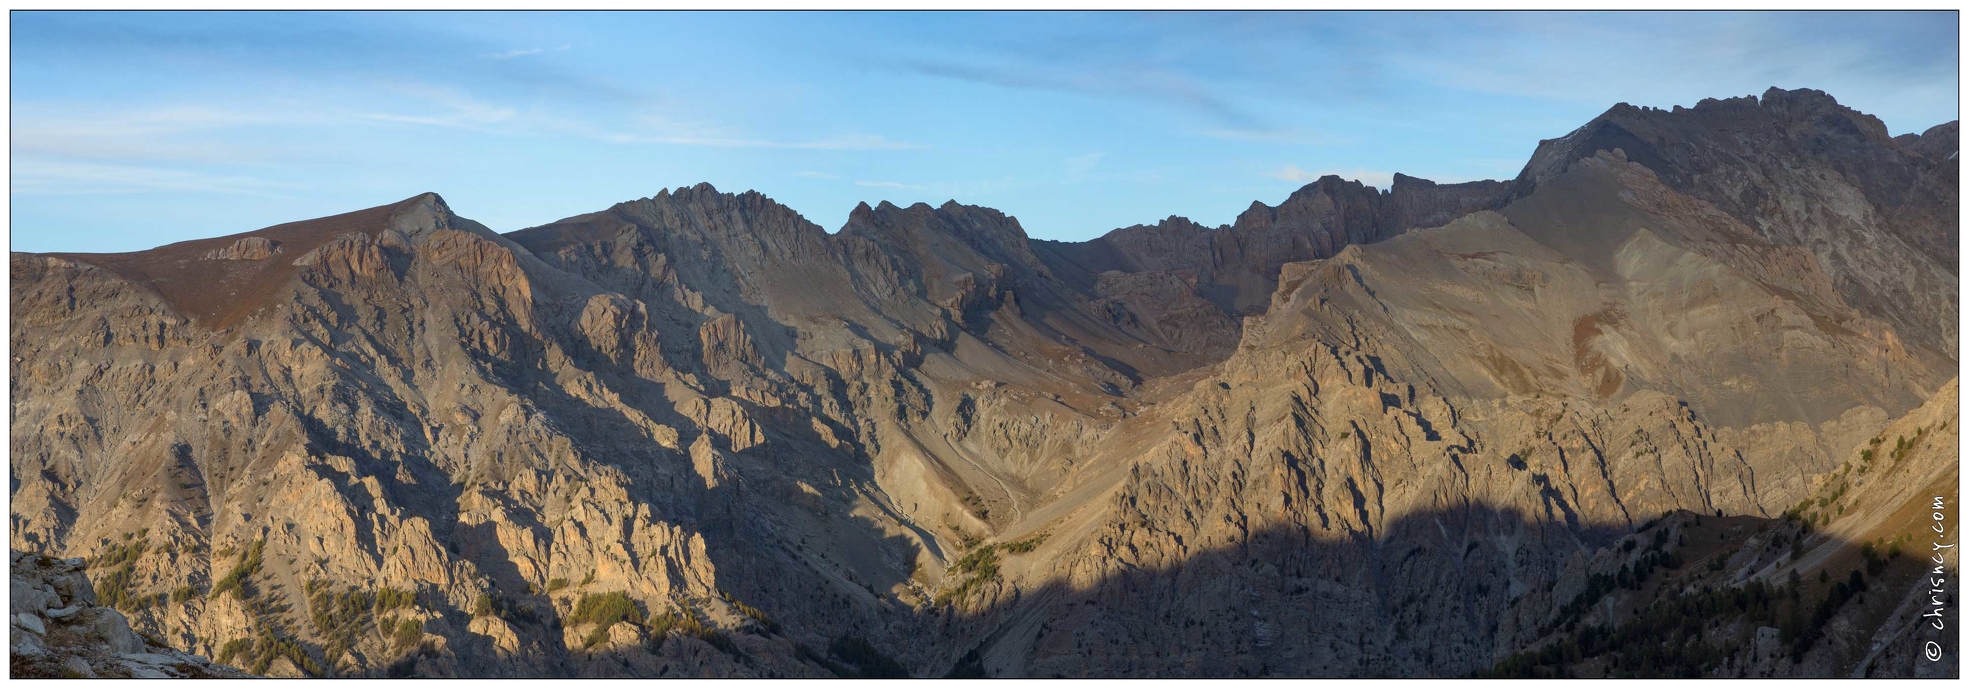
(248, 565)
(491, 604)
(766, 623)
(983, 561)
(407, 634)
(982, 566)
(128, 552)
(603, 610)
(388, 599)
(663, 624)
(1025, 546)
(971, 666)
(975, 505)
(113, 589)
(807, 655)
(233, 648)
(719, 641)
(256, 657)
(1874, 562)
(338, 617)
(868, 660)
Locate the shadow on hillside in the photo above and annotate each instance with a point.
(1445, 594)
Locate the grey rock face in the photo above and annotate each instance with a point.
(28, 597)
(1237, 266)
(1801, 170)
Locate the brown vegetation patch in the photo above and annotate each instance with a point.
(1599, 374)
(219, 293)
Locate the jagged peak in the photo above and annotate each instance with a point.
(703, 191)
(1330, 185)
(952, 213)
(862, 213)
(429, 197)
(704, 194)
(421, 213)
(1802, 105)
(1176, 224)
(1406, 181)
(1789, 106)
(1640, 131)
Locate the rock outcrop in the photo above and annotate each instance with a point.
(58, 630)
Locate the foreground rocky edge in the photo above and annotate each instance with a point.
(57, 630)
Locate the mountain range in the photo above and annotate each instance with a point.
(1673, 402)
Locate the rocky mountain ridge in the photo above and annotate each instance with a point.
(1361, 433)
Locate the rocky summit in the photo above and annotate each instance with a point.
(1676, 401)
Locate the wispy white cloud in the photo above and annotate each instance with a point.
(201, 133)
(1372, 178)
(47, 178)
(840, 143)
(438, 105)
(157, 120)
(443, 106)
(519, 52)
(856, 142)
(1124, 80)
(216, 132)
(1078, 167)
(1298, 137)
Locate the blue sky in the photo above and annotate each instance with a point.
(132, 130)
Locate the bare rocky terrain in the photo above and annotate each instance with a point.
(56, 630)
(1437, 430)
